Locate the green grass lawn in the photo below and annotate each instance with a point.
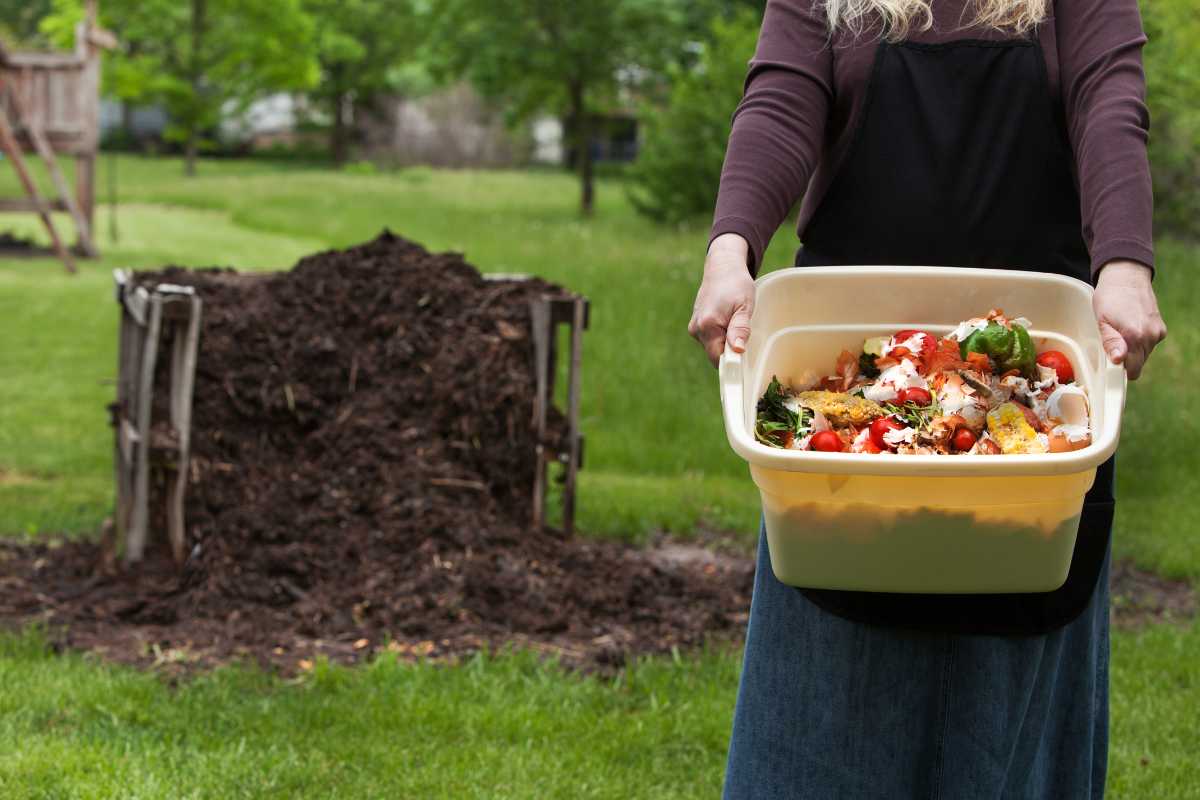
(657, 459)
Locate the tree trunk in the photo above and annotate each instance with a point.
(339, 135)
(581, 127)
(196, 79)
(127, 124)
(189, 154)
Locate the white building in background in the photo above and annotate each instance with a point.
(450, 127)
(146, 122)
(269, 120)
(548, 147)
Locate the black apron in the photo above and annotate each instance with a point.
(960, 158)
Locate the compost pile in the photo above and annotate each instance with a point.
(362, 471)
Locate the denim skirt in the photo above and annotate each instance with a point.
(830, 708)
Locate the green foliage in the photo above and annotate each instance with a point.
(1172, 58)
(365, 48)
(19, 20)
(866, 365)
(532, 54)
(568, 58)
(679, 165)
(775, 423)
(200, 59)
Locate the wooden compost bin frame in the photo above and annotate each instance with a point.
(168, 318)
(547, 314)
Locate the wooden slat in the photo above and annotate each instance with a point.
(46, 60)
(574, 378)
(88, 95)
(137, 303)
(17, 204)
(129, 354)
(543, 331)
(85, 192)
(183, 376)
(135, 540)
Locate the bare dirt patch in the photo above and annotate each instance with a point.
(1141, 597)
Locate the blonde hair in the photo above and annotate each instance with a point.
(900, 17)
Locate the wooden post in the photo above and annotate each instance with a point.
(85, 198)
(89, 100)
(546, 314)
(128, 356)
(135, 543)
(543, 333)
(183, 376)
(575, 442)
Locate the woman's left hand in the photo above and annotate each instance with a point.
(1125, 306)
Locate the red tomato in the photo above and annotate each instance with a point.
(881, 426)
(827, 442)
(921, 397)
(928, 344)
(963, 440)
(1058, 362)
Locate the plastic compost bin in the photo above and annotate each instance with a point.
(937, 524)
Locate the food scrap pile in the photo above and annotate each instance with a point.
(982, 389)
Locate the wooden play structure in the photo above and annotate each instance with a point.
(50, 107)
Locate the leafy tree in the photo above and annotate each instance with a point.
(1173, 86)
(200, 58)
(360, 44)
(679, 164)
(19, 20)
(568, 57)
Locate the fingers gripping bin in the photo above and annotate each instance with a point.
(937, 524)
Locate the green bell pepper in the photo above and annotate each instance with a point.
(1008, 349)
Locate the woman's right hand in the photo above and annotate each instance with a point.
(725, 300)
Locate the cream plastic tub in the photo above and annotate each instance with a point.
(935, 524)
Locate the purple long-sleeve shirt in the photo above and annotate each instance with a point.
(805, 91)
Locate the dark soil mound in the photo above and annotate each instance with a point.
(362, 473)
